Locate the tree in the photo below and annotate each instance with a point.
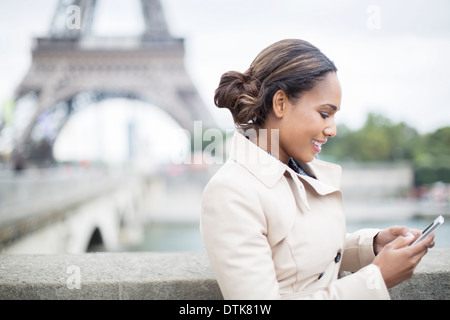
(431, 157)
(378, 140)
(384, 141)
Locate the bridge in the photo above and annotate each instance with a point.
(67, 209)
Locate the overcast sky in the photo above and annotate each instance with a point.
(392, 56)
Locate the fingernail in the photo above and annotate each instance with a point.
(409, 235)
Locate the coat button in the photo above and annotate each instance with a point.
(338, 257)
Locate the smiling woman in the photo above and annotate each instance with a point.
(272, 218)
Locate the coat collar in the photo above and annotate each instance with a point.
(328, 176)
(269, 170)
(259, 162)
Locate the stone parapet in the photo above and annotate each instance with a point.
(162, 276)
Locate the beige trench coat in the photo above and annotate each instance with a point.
(273, 234)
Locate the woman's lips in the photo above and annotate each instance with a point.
(317, 144)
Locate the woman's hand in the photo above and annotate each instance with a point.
(388, 235)
(396, 259)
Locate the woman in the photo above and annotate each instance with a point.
(272, 217)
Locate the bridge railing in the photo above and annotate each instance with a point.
(36, 203)
(162, 276)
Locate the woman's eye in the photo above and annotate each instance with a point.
(324, 115)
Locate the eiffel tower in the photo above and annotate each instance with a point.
(71, 68)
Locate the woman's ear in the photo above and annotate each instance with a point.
(279, 103)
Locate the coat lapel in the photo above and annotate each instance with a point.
(328, 176)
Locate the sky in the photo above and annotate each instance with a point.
(396, 65)
(392, 56)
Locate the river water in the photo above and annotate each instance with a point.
(185, 236)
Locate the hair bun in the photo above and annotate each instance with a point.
(239, 93)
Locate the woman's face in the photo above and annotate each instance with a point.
(306, 123)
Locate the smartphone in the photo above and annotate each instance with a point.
(430, 229)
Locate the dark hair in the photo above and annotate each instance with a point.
(291, 65)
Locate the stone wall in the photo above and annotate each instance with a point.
(162, 276)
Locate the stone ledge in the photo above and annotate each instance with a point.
(162, 276)
(141, 275)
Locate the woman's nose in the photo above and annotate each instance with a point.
(330, 130)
